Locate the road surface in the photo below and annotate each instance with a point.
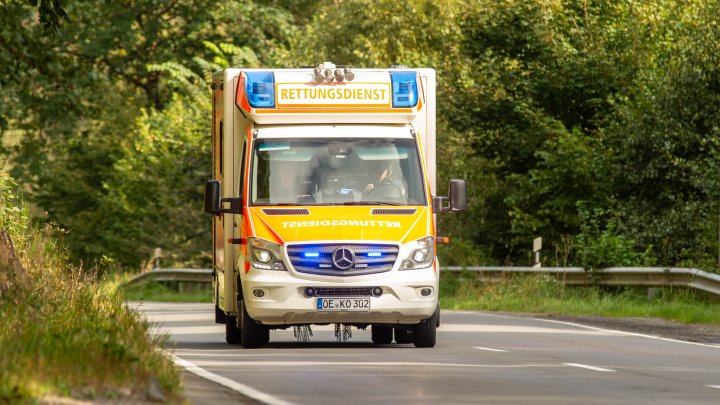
(480, 358)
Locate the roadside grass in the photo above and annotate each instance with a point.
(545, 294)
(63, 333)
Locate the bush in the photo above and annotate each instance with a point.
(599, 246)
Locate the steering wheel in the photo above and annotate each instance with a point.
(385, 190)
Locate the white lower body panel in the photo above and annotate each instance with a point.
(284, 301)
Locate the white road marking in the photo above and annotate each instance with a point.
(489, 349)
(362, 364)
(618, 332)
(585, 366)
(249, 392)
(713, 386)
(467, 327)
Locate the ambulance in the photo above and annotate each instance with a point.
(323, 201)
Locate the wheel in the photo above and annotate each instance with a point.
(232, 332)
(254, 335)
(424, 334)
(381, 334)
(403, 335)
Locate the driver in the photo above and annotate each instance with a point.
(382, 174)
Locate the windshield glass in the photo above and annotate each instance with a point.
(336, 172)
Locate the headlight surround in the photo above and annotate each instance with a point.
(265, 255)
(422, 256)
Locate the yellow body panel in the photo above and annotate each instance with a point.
(341, 223)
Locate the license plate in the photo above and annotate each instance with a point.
(343, 304)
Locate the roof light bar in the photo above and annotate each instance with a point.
(260, 89)
(404, 87)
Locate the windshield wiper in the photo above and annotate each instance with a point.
(278, 204)
(369, 203)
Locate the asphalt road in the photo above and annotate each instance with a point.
(480, 358)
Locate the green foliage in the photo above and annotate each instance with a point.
(599, 246)
(80, 100)
(13, 214)
(155, 193)
(543, 107)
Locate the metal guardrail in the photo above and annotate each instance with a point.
(180, 275)
(612, 276)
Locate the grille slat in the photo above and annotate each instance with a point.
(343, 292)
(286, 211)
(321, 262)
(393, 211)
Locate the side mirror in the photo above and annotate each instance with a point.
(212, 197)
(213, 202)
(438, 203)
(458, 195)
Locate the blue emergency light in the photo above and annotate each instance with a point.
(260, 89)
(404, 85)
(375, 254)
(312, 254)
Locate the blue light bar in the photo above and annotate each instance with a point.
(404, 85)
(260, 89)
(374, 254)
(312, 254)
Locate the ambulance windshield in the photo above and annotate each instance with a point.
(336, 172)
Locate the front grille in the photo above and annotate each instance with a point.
(317, 259)
(343, 291)
(393, 211)
(286, 211)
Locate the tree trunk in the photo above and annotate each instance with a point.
(11, 270)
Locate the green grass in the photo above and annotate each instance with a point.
(61, 333)
(64, 333)
(546, 295)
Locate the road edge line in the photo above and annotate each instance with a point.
(595, 328)
(714, 346)
(243, 389)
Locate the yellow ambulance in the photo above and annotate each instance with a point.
(323, 200)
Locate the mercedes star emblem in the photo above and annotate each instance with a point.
(343, 258)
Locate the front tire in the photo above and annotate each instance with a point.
(381, 334)
(425, 334)
(254, 335)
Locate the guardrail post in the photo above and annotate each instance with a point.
(537, 247)
(651, 292)
(156, 257)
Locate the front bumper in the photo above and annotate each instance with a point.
(283, 300)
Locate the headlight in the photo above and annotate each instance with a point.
(422, 256)
(265, 255)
